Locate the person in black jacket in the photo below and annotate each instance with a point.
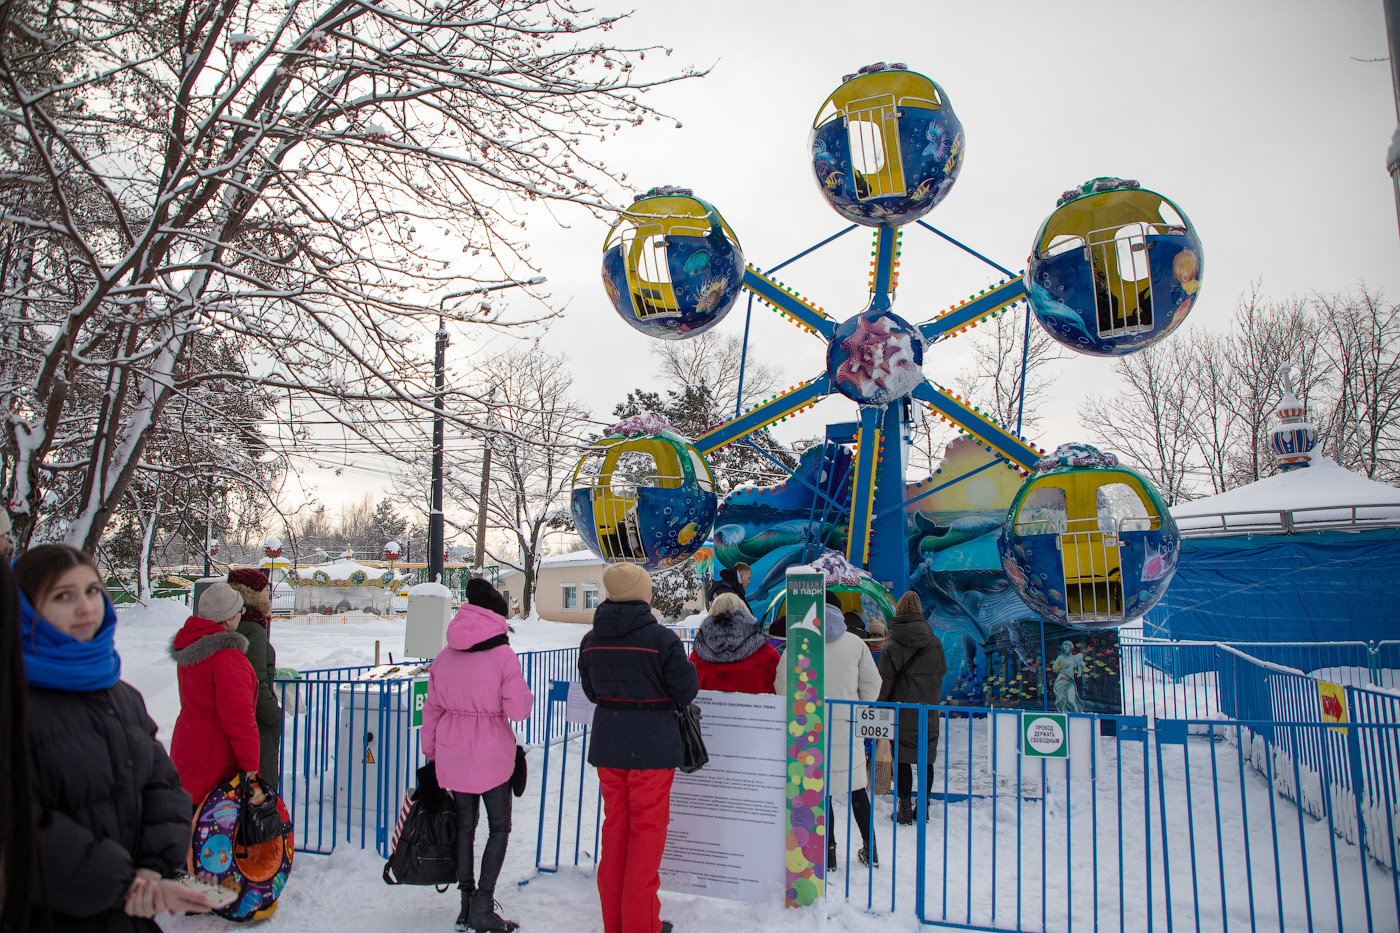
(636, 672)
(912, 668)
(18, 839)
(113, 821)
(732, 580)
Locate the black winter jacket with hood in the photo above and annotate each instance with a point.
(109, 802)
(636, 670)
(912, 647)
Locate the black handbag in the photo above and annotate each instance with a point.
(520, 774)
(426, 852)
(694, 754)
(258, 822)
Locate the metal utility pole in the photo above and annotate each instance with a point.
(1392, 35)
(485, 482)
(436, 538)
(208, 521)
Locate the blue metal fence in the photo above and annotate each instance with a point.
(1220, 799)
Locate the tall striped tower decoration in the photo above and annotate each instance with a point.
(1292, 438)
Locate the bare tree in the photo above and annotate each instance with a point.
(536, 431)
(995, 378)
(1150, 421)
(1264, 337)
(294, 176)
(1215, 430)
(1362, 431)
(714, 360)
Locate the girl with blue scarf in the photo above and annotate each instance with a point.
(113, 821)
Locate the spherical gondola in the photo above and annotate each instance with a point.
(886, 146)
(671, 266)
(1088, 543)
(1114, 269)
(646, 499)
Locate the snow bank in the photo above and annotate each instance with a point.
(430, 589)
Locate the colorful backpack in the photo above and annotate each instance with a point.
(255, 873)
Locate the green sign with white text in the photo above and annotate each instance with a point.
(1044, 735)
(420, 696)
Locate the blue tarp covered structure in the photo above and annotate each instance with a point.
(1307, 587)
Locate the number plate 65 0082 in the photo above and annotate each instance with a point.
(874, 723)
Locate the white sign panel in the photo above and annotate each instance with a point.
(578, 708)
(728, 818)
(874, 723)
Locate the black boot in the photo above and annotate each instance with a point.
(461, 925)
(867, 856)
(483, 918)
(906, 811)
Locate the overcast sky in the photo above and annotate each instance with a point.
(1265, 121)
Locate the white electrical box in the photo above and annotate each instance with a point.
(425, 627)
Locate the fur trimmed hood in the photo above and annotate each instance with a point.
(201, 639)
(260, 601)
(728, 637)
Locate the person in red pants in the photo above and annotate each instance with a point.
(636, 672)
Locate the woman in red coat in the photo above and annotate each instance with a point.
(216, 734)
(730, 654)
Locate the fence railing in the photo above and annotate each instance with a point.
(1148, 824)
(350, 750)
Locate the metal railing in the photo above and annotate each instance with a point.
(1291, 521)
(1148, 824)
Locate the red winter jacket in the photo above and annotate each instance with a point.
(731, 655)
(216, 734)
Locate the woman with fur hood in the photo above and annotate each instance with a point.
(256, 626)
(216, 733)
(730, 654)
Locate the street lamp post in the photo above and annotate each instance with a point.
(436, 536)
(1392, 30)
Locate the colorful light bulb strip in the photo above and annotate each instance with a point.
(777, 408)
(977, 309)
(804, 314)
(962, 414)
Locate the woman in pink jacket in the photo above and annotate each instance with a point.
(474, 689)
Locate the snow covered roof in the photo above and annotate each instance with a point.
(1323, 494)
(344, 573)
(584, 558)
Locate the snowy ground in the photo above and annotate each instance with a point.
(144, 634)
(1065, 851)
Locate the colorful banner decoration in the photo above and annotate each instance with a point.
(806, 841)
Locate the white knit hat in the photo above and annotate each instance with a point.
(219, 602)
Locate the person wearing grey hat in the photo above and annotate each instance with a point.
(216, 734)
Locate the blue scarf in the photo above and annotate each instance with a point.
(59, 661)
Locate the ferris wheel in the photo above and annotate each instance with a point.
(1112, 270)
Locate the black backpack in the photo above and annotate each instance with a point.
(426, 852)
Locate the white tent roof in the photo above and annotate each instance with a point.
(1323, 493)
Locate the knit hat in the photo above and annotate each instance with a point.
(627, 583)
(254, 580)
(219, 602)
(877, 628)
(481, 593)
(254, 587)
(833, 624)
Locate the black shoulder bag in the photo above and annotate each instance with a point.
(692, 741)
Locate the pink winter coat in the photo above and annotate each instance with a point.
(474, 688)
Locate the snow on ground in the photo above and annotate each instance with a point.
(144, 634)
(1212, 806)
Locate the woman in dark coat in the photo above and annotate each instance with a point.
(113, 821)
(256, 626)
(912, 668)
(635, 670)
(730, 653)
